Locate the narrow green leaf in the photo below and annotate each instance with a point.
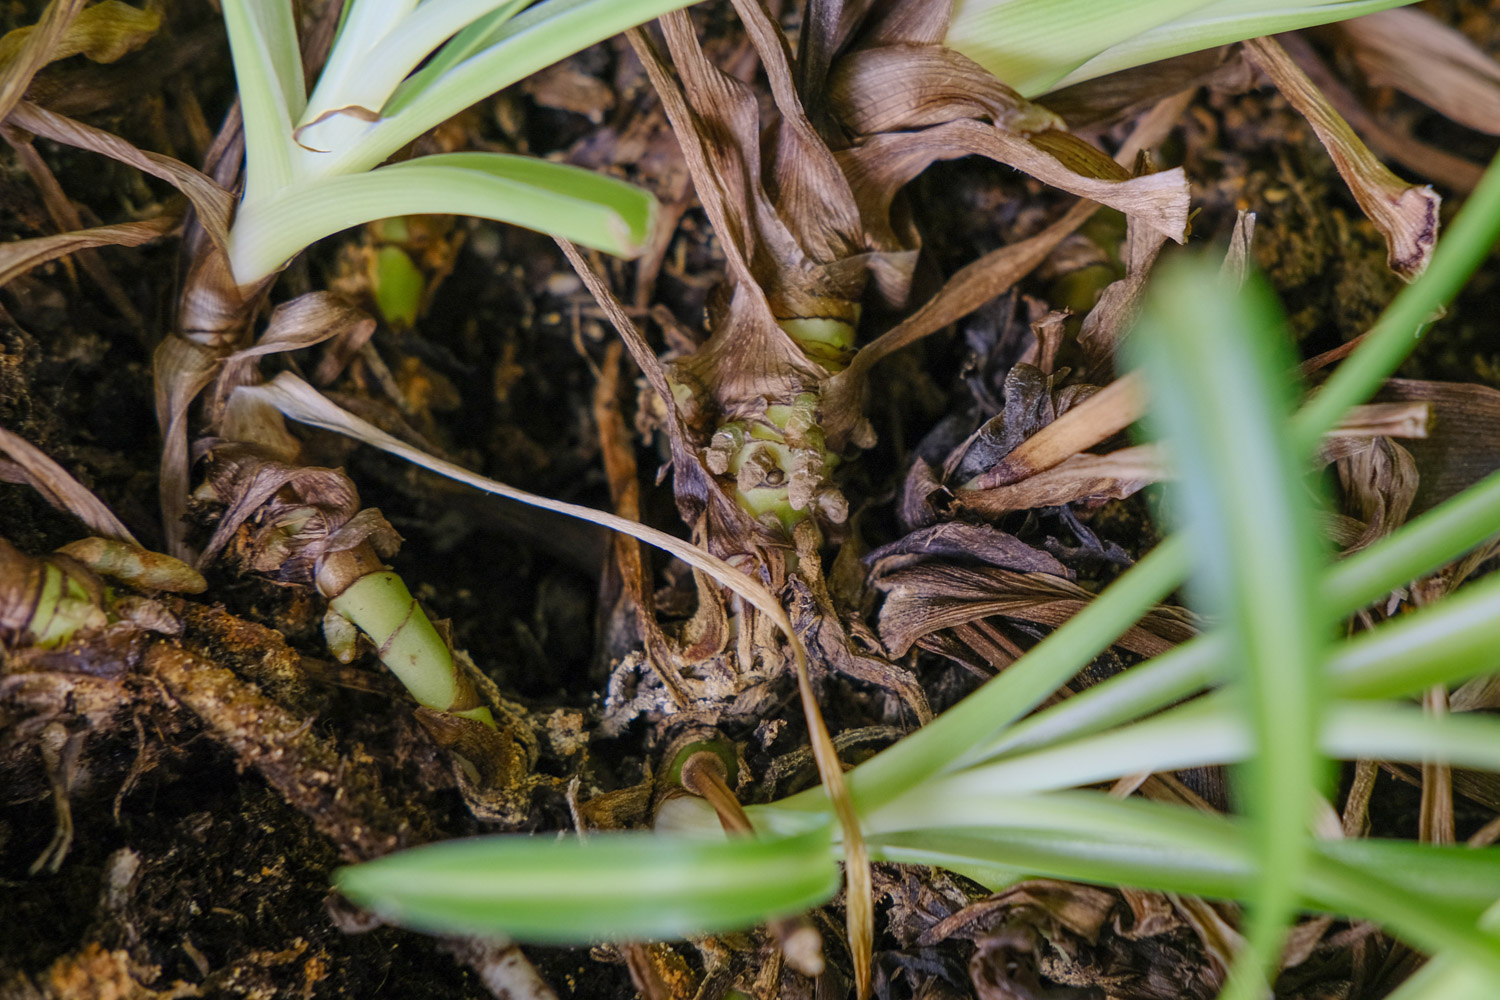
(1205, 733)
(554, 198)
(370, 68)
(953, 740)
(1444, 643)
(1041, 45)
(1430, 896)
(533, 40)
(1216, 365)
(612, 886)
(268, 70)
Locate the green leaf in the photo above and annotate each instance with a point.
(554, 198)
(1041, 45)
(268, 70)
(1216, 364)
(366, 66)
(530, 41)
(1430, 896)
(612, 886)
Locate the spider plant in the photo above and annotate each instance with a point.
(396, 70)
(988, 791)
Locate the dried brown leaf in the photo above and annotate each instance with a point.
(34, 467)
(1463, 445)
(214, 204)
(1108, 98)
(32, 49)
(1237, 259)
(894, 88)
(1410, 50)
(1405, 214)
(1102, 415)
(1120, 302)
(22, 255)
(931, 596)
(961, 541)
(1114, 476)
(883, 164)
(1390, 139)
(1379, 483)
(1435, 819)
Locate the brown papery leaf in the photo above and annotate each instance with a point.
(33, 50)
(303, 322)
(1410, 50)
(1108, 98)
(1237, 259)
(883, 164)
(21, 256)
(214, 204)
(1405, 214)
(1391, 140)
(1121, 473)
(1114, 476)
(932, 596)
(961, 541)
(1120, 302)
(1379, 483)
(35, 468)
(899, 87)
(1463, 445)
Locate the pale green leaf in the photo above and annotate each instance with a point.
(612, 886)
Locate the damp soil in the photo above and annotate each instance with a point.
(190, 872)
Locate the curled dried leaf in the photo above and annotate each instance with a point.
(905, 86)
(1405, 214)
(33, 50)
(213, 203)
(33, 466)
(1412, 51)
(21, 256)
(883, 164)
(936, 595)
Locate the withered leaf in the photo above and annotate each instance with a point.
(1113, 476)
(33, 50)
(22, 255)
(958, 540)
(883, 164)
(1405, 214)
(1463, 445)
(31, 465)
(1411, 50)
(213, 203)
(930, 596)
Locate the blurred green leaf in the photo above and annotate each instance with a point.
(1217, 363)
(612, 886)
